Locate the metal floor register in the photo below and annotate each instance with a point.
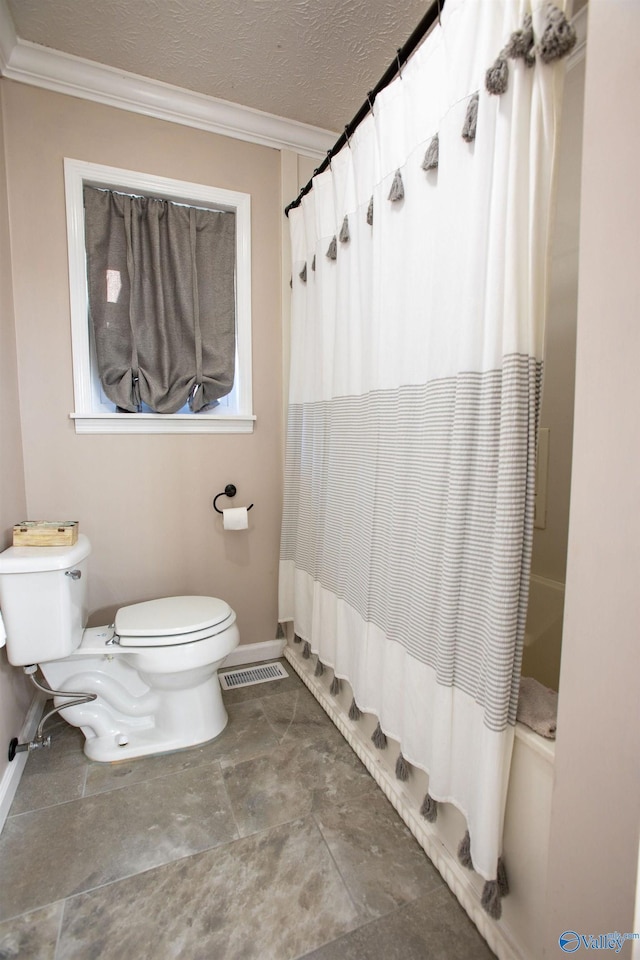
(246, 678)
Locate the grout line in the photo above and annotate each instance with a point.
(113, 788)
(293, 717)
(368, 922)
(60, 923)
(160, 866)
(335, 863)
(231, 807)
(117, 787)
(127, 876)
(84, 784)
(266, 720)
(48, 806)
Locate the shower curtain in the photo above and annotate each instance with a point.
(418, 299)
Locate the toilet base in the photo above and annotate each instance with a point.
(142, 743)
(136, 713)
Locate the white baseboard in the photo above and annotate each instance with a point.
(255, 652)
(13, 772)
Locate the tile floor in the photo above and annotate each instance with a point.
(272, 842)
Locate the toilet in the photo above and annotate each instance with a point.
(153, 672)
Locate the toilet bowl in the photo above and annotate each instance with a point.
(153, 672)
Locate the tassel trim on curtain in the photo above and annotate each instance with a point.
(494, 890)
(556, 40)
(429, 809)
(432, 156)
(471, 119)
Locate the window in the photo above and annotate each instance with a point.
(94, 412)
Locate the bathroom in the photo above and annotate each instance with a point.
(145, 501)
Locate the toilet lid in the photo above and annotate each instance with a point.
(171, 616)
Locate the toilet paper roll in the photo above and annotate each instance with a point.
(236, 518)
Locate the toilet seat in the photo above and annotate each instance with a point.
(169, 621)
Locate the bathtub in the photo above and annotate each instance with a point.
(517, 935)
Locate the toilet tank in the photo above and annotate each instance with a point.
(43, 600)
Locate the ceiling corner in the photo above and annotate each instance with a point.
(44, 67)
(8, 37)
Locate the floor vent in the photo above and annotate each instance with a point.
(246, 678)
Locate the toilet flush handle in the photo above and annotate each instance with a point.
(74, 574)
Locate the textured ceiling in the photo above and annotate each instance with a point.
(307, 60)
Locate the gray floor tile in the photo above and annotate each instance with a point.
(380, 861)
(247, 734)
(152, 864)
(67, 741)
(272, 896)
(53, 774)
(58, 851)
(33, 936)
(280, 787)
(49, 780)
(297, 715)
(432, 928)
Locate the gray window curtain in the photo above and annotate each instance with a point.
(161, 280)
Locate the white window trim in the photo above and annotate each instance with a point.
(87, 419)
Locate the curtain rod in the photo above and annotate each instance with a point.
(392, 71)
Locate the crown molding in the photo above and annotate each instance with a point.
(49, 69)
(8, 37)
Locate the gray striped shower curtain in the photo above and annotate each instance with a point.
(418, 303)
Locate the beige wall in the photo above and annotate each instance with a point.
(144, 501)
(14, 693)
(542, 659)
(550, 544)
(593, 854)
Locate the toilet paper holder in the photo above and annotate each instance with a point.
(229, 491)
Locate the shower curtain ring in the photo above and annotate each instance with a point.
(346, 136)
(371, 98)
(398, 52)
(329, 158)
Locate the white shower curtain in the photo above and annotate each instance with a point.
(416, 362)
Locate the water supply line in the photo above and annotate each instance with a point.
(75, 698)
